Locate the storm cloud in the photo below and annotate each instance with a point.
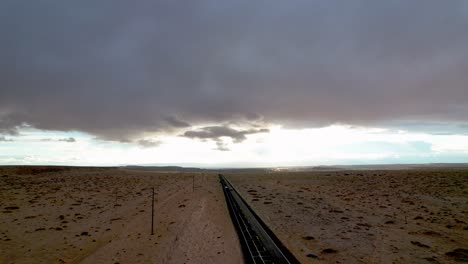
(217, 133)
(117, 69)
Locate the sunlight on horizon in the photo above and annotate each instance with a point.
(335, 144)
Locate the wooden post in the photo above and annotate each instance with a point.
(115, 203)
(152, 212)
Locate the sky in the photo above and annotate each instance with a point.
(220, 83)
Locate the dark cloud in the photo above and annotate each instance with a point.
(217, 133)
(176, 122)
(69, 140)
(434, 128)
(146, 143)
(4, 139)
(117, 68)
(9, 124)
(9, 130)
(220, 145)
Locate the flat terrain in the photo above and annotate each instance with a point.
(103, 215)
(397, 216)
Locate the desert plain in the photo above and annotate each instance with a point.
(103, 215)
(371, 216)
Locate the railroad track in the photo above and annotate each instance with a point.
(259, 244)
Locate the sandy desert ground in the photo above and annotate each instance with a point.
(397, 216)
(103, 215)
(92, 215)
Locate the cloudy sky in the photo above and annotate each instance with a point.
(233, 83)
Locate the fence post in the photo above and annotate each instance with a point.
(152, 212)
